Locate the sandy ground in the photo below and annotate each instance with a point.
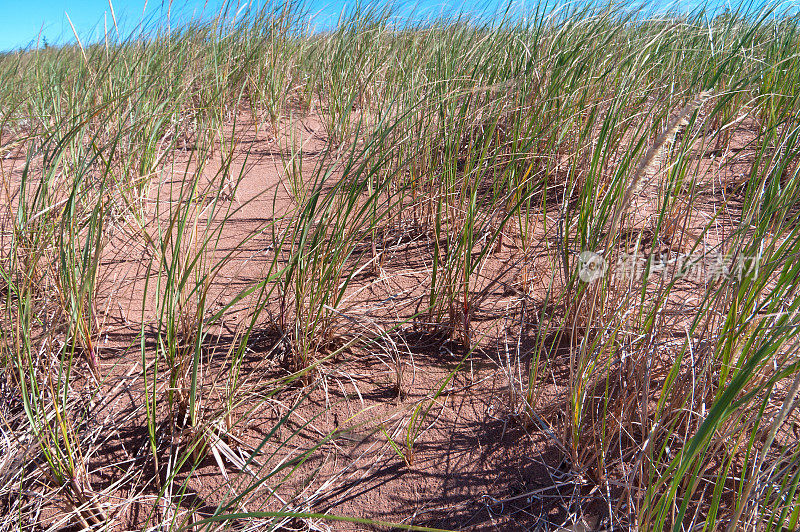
(475, 465)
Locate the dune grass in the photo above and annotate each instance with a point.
(584, 129)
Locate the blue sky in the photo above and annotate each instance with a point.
(26, 22)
